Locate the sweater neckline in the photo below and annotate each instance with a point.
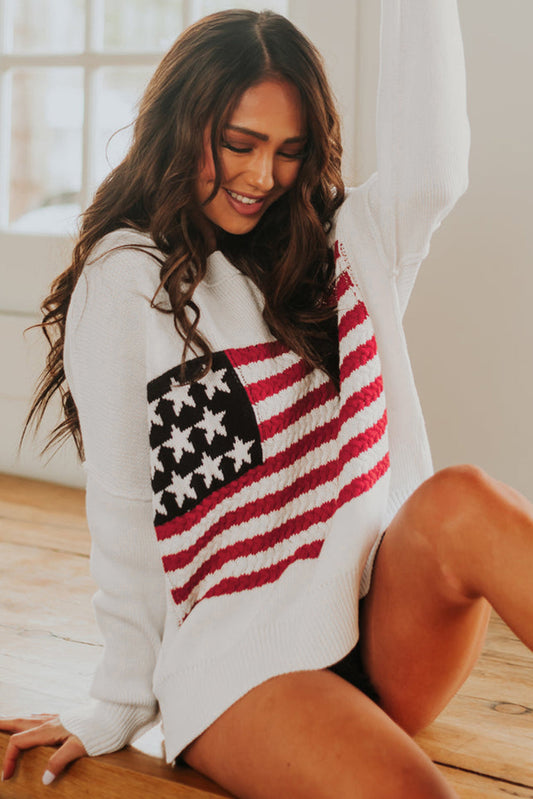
(219, 269)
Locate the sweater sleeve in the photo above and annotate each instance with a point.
(105, 368)
(423, 133)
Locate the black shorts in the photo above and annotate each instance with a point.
(351, 669)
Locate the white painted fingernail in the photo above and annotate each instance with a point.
(48, 777)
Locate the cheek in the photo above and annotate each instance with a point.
(289, 174)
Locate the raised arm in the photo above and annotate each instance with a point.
(423, 134)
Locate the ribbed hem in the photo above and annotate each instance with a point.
(366, 576)
(104, 727)
(314, 636)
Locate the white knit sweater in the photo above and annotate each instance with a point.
(234, 521)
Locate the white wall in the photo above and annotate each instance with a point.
(470, 321)
(28, 265)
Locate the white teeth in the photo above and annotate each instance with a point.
(242, 199)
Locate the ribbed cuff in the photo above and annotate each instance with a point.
(104, 727)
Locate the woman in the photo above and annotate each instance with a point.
(234, 372)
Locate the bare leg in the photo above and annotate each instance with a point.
(311, 735)
(462, 541)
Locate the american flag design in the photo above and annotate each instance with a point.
(250, 463)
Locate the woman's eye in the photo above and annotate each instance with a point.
(235, 149)
(294, 156)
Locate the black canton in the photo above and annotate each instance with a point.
(203, 435)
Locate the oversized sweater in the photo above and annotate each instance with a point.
(234, 520)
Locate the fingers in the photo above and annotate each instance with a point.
(71, 750)
(48, 733)
(8, 724)
(26, 739)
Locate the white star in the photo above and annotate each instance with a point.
(210, 469)
(181, 488)
(215, 382)
(153, 413)
(212, 424)
(179, 395)
(158, 504)
(240, 453)
(180, 441)
(154, 460)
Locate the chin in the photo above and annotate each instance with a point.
(236, 227)
(239, 229)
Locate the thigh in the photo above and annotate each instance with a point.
(312, 735)
(419, 635)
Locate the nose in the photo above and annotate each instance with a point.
(261, 173)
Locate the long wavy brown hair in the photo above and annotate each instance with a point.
(198, 83)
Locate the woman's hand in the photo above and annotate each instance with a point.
(40, 730)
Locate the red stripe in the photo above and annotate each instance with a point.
(359, 357)
(272, 385)
(359, 485)
(364, 441)
(344, 284)
(253, 510)
(232, 585)
(253, 546)
(320, 435)
(361, 399)
(352, 318)
(318, 396)
(256, 352)
(336, 250)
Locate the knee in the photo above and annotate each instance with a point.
(460, 484)
(457, 495)
(441, 514)
(465, 494)
(461, 510)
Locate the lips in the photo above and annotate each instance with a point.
(245, 204)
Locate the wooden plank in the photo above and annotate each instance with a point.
(501, 642)
(483, 737)
(61, 538)
(47, 591)
(40, 673)
(38, 514)
(21, 498)
(477, 786)
(127, 773)
(501, 682)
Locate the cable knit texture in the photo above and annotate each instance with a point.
(234, 520)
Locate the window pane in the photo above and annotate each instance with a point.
(204, 7)
(46, 149)
(141, 24)
(118, 93)
(48, 26)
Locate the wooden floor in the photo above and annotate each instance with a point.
(49, 646)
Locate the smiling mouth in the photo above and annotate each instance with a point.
(242, 198)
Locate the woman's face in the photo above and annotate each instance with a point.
(262, 150)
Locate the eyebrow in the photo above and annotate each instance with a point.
(263, 136)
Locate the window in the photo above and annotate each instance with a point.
(71, 74)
